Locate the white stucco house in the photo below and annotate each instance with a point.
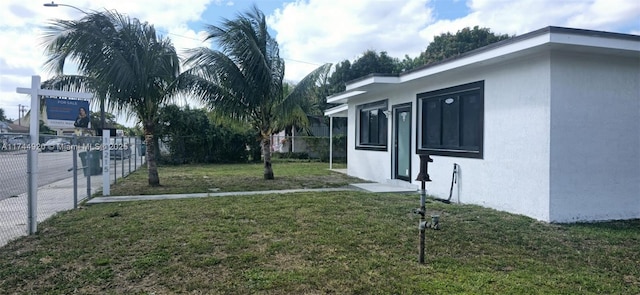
(546, 124)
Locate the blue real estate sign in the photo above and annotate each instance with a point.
(67, 113)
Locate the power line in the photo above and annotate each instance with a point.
(178, 35)
(190, 38)
(304, 62)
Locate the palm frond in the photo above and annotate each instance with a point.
(303, 100)
(244, 77)
(137, 69)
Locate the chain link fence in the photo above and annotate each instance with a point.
(14, 184)
(310, 147)
(193, 149)
(70, 170)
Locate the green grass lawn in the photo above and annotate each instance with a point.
(315, 243)
(233, 177)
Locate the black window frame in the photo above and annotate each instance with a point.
(458, 116)
(364, 141)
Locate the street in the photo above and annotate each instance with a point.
(13, 171)
(52, 167)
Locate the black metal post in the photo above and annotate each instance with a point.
(423, 176)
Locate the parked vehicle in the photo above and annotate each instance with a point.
(56, 144)
(18, 140)
(119, 149)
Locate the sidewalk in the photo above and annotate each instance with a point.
(52, 198)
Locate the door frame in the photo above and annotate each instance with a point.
(394, 158)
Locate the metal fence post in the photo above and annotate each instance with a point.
(115, 163)
(75, 171)
(122, 156)
(135, 150)
(129, 156)
(88, 171)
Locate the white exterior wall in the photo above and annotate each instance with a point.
(514, 173)
(366, 164)
(595, 137)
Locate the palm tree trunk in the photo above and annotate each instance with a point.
(152, 167)
(288, 135)
(266, 154)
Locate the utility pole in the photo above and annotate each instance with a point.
(21, 110)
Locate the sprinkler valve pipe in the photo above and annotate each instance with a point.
(423, 177)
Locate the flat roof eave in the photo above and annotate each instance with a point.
(344, 96)
(543, 39)
(339, 111)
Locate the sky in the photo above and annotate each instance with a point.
(309, 32)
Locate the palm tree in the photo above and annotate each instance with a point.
(244, 79)
(307, 100)
(137, 69)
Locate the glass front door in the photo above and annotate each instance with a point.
(402, 141)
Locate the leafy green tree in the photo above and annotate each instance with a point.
(109, 121)
(444, 46)
(184, 130)
(244, 78)
(44, 129)
(449, 45)
(193, 138)
(371, 62)
(341, 74)
(237, 127)
(2, 115)
(408, 63)
(121, 59)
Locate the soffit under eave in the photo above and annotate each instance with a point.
(339, 111)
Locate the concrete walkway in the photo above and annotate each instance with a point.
(384, 188)
(101, 200)
(58, 197)
(368, 187)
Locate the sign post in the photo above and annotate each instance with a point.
(34, 134)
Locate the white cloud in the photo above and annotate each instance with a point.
(607, 14)
(518, 17)
(321, 31)
(309, 32)
(21, 54)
